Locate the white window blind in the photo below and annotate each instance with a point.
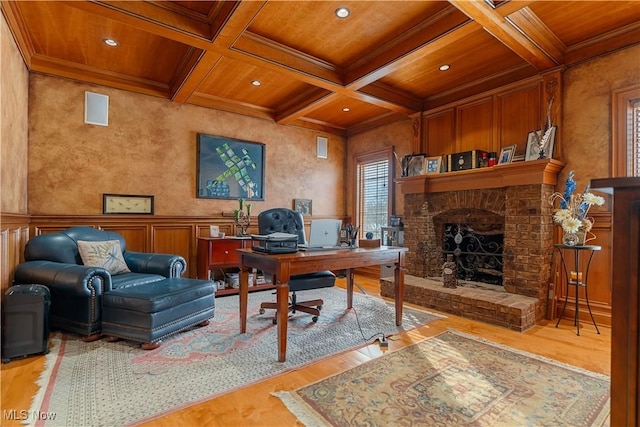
(373, 197)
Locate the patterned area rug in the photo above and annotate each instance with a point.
(455, 380)
(109, 384)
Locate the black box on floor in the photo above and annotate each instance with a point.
(464, 160)
(25, 325)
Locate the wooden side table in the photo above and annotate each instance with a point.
(220, 253)
(577, 278)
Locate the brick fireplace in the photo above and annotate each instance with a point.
(515, 195)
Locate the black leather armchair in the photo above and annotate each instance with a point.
(76, 290)
(289, 221)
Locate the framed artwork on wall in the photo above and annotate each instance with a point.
(303, 206)
(506, 154)
(537, 141)
(229, 168)
(127, 204)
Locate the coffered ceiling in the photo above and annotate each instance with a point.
(381, 63)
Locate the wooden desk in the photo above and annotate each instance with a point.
(282, 267)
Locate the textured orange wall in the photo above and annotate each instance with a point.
(150, 147)
(14, 86)
(586, 146)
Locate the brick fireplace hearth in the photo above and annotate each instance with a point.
(518, 194)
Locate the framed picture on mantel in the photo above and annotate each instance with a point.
(506, 155)
(416, 165)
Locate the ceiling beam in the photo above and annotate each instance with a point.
(402, 50)
(528, 23)
(502, 30)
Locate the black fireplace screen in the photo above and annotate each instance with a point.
(477, 252)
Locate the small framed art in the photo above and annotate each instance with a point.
(506, 155)
(416, 165)
(433, 164)
(539, 145)
(303, 206)
(127, 204)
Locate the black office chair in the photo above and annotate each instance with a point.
(289, 221)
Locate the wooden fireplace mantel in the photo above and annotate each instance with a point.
(544, 171)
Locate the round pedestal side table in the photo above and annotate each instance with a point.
(577, 278)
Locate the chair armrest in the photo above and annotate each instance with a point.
(164, 264)
(72, 279)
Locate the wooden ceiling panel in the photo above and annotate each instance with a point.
(312, 27)
(476, 57)
(202, 8)
(381, 62)
(232, 79)
(74, 36)
(575, 22)
(332, 112)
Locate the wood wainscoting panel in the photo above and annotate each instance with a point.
(136, 236)
(474, 126)
(439, 132)
(13, 237)
(179, 239)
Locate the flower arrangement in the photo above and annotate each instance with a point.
(574, 207)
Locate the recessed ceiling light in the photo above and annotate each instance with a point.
(256, 83)
(346, 109)
(444, 67)
(110, 42)
(342, 12)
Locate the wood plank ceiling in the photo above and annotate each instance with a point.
(382, 62)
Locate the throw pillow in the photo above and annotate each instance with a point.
(105, 254)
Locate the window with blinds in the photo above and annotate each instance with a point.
(373, 197)
(633, 147)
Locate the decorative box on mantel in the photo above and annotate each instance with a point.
(543, 171)
(464, 160)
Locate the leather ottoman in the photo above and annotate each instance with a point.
(149, 312)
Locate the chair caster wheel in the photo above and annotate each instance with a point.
(314, 319)
(319, 307)
(261, 311)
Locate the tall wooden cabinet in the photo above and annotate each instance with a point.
(625, 302)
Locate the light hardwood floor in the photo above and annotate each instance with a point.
(254, 406)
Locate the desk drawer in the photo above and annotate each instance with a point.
(223, 251)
